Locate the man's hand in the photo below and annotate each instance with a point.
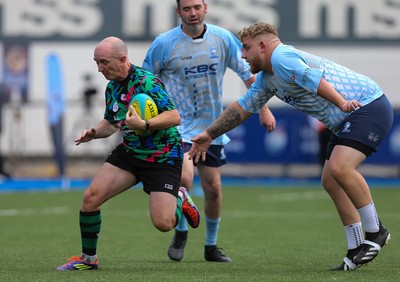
(86, 136)
(350, 106)
(133, 120)
(201, 143)
(267, 119)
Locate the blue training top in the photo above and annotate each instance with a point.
(296, 78)
(193, 70)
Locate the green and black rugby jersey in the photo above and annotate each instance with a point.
(162, 146)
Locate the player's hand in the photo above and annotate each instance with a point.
(350, 106)
(133, 120)
(201, 143)
(86, 136)
(268, 121)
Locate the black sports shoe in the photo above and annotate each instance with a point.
(175, 250)
(347, 263)
(212, 253)
(372, 245)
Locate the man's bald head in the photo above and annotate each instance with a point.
(114, 46)
(111, 56)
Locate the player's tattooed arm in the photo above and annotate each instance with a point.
(229, 119)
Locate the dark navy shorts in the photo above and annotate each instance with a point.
(365, 128)
(156, 177)
(215, 156)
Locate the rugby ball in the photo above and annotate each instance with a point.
(146, 108)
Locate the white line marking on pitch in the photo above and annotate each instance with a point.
(293, 196)
(28, 212)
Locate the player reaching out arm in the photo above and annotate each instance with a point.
(232, 116)
(350, 104)
(103, 130)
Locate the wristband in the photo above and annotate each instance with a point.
(147, 123)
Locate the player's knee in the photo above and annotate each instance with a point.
(327, 181)
(164, 225)
(213, 190)
(333, 175)
(163, 221)
(337, 170)
(90, 200)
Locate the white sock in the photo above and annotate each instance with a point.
(89, 259)
(354, 234)
(369, 218)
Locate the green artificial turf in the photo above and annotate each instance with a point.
(274, 234)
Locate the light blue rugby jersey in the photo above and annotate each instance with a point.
(296, 78)
(193, 71)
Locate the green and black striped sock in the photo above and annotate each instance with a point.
(178, 212)
(90, 223)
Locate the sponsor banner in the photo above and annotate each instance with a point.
(295, 140)
(306, 21)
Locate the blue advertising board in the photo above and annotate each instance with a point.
(295, 140)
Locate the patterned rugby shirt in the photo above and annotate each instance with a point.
(296, 78)
(161, 146)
